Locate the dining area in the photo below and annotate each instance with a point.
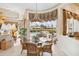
(41, 33)
(37, 48)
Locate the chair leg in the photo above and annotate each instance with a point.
(21, 51)
(42, 54)
(51, 54)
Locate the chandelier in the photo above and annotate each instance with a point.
(36, 16)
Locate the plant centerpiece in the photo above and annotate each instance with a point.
(35, 39)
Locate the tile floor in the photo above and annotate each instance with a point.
(16, 51)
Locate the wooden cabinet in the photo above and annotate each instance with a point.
(4, 44)
(76, 34)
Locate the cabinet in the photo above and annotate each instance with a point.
(5, 42)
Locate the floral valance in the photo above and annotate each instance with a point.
(44, 16)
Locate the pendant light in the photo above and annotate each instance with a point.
(36, 16)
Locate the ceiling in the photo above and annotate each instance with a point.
(20, 7)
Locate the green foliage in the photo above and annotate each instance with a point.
(22, 31)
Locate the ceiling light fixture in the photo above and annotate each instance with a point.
(36, 16)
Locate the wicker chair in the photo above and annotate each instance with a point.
(24, 46)
(32, 50)
(47, 48)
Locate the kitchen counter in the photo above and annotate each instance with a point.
(7, 37)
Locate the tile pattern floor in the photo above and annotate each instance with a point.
(58, 51)
(16, 51)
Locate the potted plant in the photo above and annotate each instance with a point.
(22, 32)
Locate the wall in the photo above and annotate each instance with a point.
(68, 6)
(69, 46)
